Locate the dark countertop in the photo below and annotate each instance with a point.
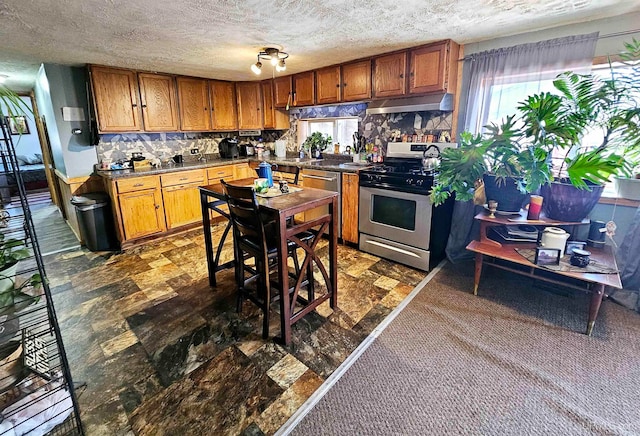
(322, 164)
(149, 171)
(328, 164)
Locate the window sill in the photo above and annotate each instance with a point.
(612, 199)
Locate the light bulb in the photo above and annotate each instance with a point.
(274, 59)
(281, 66)
(257, 68)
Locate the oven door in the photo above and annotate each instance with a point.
(401, 217)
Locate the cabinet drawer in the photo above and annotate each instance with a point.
(137, 183)
(182, 177)
(221, 172)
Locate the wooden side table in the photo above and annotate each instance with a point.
(514, 262)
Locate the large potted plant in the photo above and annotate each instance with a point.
(547, 140)
(494, 160)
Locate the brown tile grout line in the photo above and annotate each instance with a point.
(308, 405)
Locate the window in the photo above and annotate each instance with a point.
(340, 129)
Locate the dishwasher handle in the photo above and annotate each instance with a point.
(328, 179)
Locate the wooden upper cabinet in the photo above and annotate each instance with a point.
(304, 89)
(223, 105)
(115, 94)
(159, 103)
(193, 95)
(328, 85)
(389, 75)
(427, 68)
(267, 105)
(249, 105)
(356, 81)
(282, 92)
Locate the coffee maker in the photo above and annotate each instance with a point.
(246, 149)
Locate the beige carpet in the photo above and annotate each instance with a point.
(512, 361)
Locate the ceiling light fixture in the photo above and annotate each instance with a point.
(273, 55)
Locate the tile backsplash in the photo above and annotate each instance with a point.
(377, 128)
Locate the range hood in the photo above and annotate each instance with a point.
(431, 102)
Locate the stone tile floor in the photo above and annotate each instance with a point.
(163, 353)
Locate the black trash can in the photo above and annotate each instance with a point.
(95, 220)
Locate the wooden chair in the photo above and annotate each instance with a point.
(254, 236)
(290, 173)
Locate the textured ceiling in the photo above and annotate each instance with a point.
(220, 39)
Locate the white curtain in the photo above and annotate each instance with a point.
(493, 83)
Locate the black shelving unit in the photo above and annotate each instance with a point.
(36, 390)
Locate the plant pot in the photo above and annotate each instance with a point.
(505, 192)
(10, 364)
(627, 188)
(565, 202)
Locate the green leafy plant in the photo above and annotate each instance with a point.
(542, 142)
(316, 141)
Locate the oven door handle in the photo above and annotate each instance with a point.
(309, 176)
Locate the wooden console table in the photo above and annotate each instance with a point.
(514, 262)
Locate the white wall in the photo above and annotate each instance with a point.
(605, 46)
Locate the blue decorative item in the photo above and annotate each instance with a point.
(265, 172)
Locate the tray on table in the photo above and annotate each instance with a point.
(275, 192)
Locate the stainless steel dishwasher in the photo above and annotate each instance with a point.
(330, 181)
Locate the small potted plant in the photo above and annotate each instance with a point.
(16, 292)
(316, 143)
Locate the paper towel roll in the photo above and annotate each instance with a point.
(281, 148)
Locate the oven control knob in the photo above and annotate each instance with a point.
(409, 181)
(419, 182)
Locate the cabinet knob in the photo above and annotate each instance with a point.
(134, 105)
(157, 206)
(337, 85)
(411, 74)
(205, 109)
(137, 185)
(402, 76)
(344, 84)
(144, 106)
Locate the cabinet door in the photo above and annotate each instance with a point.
(267, 105)
(243, 171)
(141, 213)
(350, 207)
(249, 103)
(182, 205)
(159, 103)
(328, 85)
(223, 105)
(304, 89)
(282, 92)
(193, 95)
(389, 75)
(356, 81)
(427, 67)
(115, 94)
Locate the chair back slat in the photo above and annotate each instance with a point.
(244, 212)
(289, 172)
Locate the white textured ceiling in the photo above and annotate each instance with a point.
(220, 39)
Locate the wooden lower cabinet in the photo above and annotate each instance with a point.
(182, 205)
(350, 207)
(142, 213)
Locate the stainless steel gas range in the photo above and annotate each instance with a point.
(396, 218)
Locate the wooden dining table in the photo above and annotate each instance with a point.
(281, 208)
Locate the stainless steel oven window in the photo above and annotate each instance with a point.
(394, 212)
